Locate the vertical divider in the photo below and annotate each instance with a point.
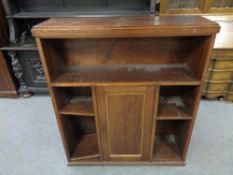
(190, 127)
(96, 121)
(155, 113)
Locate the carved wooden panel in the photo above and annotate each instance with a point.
(182, 6)
(219, 6)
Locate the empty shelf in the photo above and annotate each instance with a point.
(82, 12)
(87, 147)
(166, 149)
(28, 44)
(114, 74)
(173, 112)
(78, 106)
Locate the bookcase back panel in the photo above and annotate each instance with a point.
(170, 140)
(80, 136)
(161, 50)
(181, 96)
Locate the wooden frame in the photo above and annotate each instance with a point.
(125, 90)
(164, 8)
(211, 9)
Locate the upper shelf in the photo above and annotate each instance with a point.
(80, 13)
(125, 27)
(28, 44)
(121, 74)
(78, 106)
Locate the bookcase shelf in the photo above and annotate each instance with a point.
(173, 112)
(82, 136)
(86, 148)
(28, 44)
(166, 149)
(81, 13)
(125, 89)
(152, 74)
(176, 102)
(169, 140)
(78, 106)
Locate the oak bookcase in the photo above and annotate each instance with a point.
(125, 90)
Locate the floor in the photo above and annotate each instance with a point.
(30, 143)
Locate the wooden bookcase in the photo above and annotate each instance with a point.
(125, 90)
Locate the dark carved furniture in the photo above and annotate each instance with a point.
(125, 90)
(7, 85)
(23, 14)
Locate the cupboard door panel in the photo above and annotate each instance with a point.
(125, 116)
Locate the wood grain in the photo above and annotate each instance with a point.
(78, 106)
(116, 27)
(109, 75)
(126, 116)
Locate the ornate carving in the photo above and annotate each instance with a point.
(35, 67)
(152, 6)
(25, 34)
(17, 68)
(18, 71)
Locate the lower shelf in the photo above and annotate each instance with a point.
(87, 147)
(166, 152)
(173, 112)
(166, 149)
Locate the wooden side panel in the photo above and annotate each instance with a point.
(202, 69)
(56, 103)
(125, 117)
(202, 54)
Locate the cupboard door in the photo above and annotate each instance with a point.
(125, 116)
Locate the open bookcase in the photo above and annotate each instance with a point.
(125, 90)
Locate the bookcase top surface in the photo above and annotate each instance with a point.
(94, 27)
